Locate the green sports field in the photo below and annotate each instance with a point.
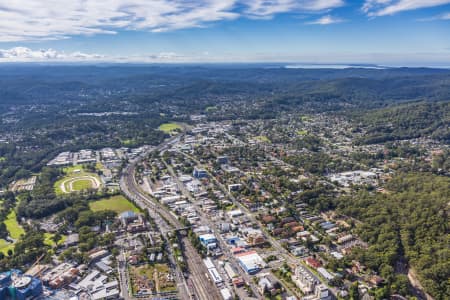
(262, 138)
(118, 204)
(169, 127)
(81, 184)
(75, 180)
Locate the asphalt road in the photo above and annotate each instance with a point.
(202, 287)
(285, 254)
(206, 220)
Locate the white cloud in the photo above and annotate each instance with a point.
(445, 16)
(23, 54)
(267, 8)
(326, 20)
(436, 59)
(376, 8)
(25, 20)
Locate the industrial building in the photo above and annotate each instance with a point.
(208, 240)
(250, 262)
(230, 271)
(16, 286)
(98, 286)
(213, 273)
(215, 276)
(226, 294)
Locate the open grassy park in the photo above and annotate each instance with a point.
(5, 246)
(302, 132)
(169, 127)
(75, 180)
(48, 239)
(14, 228)
(262, 138)
(15, 231)
(118, 204)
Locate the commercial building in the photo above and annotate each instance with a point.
(170, 199)
(132, 222)
(226, 294)
(222, 160)
(250, 262)
(230, 271)
(255, 238)
(96, 255)
(199, 173)
(325, 274)
(208, 263)
(234, 187)
(16, 286)
(213, 273)
(60, 275)
(235, 213)
(208, 240)
(99, 286)
(215, 276)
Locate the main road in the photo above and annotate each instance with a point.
(206, 220)
(288, 257)
(200, 286)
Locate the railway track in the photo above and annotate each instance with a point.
(203, 287)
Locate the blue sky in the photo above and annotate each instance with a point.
(390, 32)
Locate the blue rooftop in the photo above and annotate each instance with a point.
(127, 215)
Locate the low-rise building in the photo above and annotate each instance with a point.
(250, 262)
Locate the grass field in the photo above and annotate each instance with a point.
(127, 142)
(99, 166)
(302, 132)
(73, 169)
(48, 239)
(169, 127)
(305, 118)
(118, 204)
(5, 246)
(81, 184)
(262, 138)
(70, 179)
(15, 230)
(211, 108)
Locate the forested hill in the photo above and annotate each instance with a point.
(408, 121)
(409, 222)
(34, 84)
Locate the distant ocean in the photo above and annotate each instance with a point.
(332, 66)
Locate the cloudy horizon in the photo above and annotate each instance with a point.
(385, 32)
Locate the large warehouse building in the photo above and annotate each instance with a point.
(250, 262)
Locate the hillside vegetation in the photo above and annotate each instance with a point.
(406, 122)
(409, 222)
